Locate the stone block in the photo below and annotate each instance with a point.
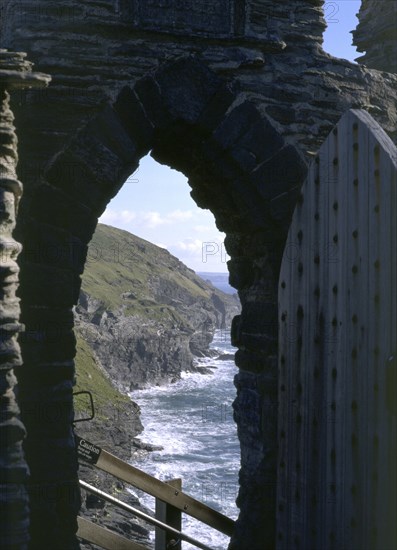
(42, 285)
(134, 119)
(260, 318)
(188, 18)
(78, 180)
(40, 318)
(259, 144)
(107, 167)
(282, 207)
(217, 165)
(258, 343)
(257, 328)
(247, 207)
(187, 86)
(53, 207)
(241, 273)
(47, 364)
(176, 146)
(285, 115)
(254, 362)
(213, 197)
(149, 95)
(108, 128)
(52, 246)
(236, 331)
(226, 222)
(235, 125)
(236, 198)
(9, 310)
(284, 171)
(216, 108)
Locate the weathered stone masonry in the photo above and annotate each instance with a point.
(376, 35)
(15, 73)
(239, 101)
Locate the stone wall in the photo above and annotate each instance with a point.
(15, 74)
(242, 114)
(376, 35)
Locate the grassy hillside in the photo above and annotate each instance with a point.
(123, 270)
(89, 376)
(144, 313)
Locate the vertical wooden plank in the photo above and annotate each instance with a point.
(104, 538)
(291, 282)
(333, 377)
(332, 292)
(390, 532)
(383, 234)
(356, 323)
(311, 264)
(369, 353)
(317, 348)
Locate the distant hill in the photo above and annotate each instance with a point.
(218, 280)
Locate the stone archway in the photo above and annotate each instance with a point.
(239, 167)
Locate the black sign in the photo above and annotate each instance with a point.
(87, 451)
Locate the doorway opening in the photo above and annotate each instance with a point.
(148, 321)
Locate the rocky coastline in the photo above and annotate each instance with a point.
(141, 320)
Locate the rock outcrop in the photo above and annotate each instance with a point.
(376, 35)
(143, 313)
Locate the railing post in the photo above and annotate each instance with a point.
(170, 515)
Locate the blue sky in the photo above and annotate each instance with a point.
(155, 204)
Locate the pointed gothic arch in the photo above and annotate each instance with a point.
(240, 167)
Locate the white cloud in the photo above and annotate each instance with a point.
(149, 219)
(155, 219)
(117, 216)
(188, 245)
(152, 219)
(127, 216)
(180, 215)
(202, 228)
(201, 255)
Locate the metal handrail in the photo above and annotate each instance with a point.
(142, 515)
(153, 486)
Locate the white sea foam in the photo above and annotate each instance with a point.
(193, 421)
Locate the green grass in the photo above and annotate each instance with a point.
(119, 263)
(119, 273)
(89, 376)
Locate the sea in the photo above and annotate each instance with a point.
(192, 420)
(218, 280)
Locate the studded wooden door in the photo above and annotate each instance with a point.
(337, 460)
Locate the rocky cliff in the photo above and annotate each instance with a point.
(143, 313)
(142, 318)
